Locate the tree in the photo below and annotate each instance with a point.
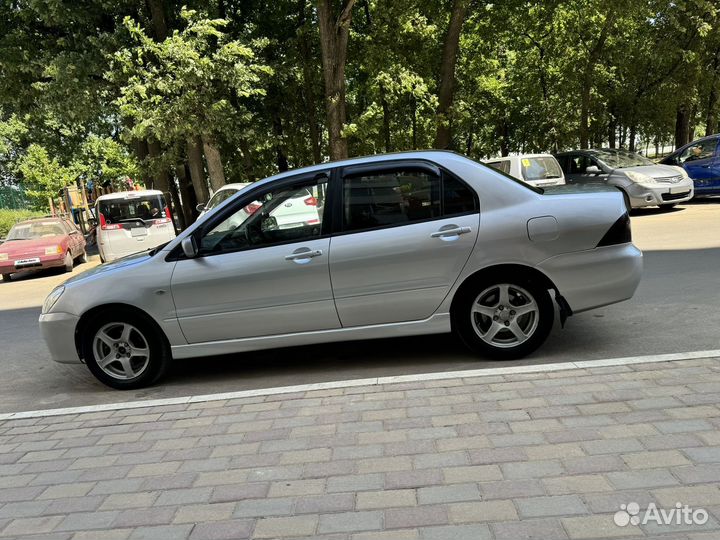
(447, 72)
(334, 32)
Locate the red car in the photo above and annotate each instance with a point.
(41, 243)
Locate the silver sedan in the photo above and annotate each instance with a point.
(396, 245)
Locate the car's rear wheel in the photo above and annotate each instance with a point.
(6, 277)
(69, 263)
(124, 350)
(505, 318)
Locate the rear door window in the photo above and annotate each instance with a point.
(503, 166)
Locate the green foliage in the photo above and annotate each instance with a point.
(44, 176)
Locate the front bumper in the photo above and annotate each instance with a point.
(597, 277)
(45, 261)
(662, 194)
(58, 331)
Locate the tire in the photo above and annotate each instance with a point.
(476, 314)
(69, 262)
(6, 277)
(124, 332)
(82, 259)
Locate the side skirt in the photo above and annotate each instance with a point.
(436, 324)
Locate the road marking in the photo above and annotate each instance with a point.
(373, 381)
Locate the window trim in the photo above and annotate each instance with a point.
(254, 193)
(422, 165)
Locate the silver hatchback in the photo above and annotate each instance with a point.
(403, 244)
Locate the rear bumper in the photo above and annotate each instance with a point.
(58, 331)
(597, 277)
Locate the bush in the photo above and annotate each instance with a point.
(8, 218)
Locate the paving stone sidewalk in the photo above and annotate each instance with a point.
(547, 455)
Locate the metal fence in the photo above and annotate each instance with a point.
(13, 198)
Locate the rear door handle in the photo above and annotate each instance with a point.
(451, 232)
(304, 254)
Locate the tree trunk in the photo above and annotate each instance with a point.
(682, 125)
(161, 179)
(633, 134)
(308, 90)
(175, 197)
(334, 32)
(247, 160)
(214, 163)
(711, 120)
(587, 79)
(414, 122)
(386, 119)
(447, 72)
(197, 171)
(157, 17)
(280, 150)
(189, 201)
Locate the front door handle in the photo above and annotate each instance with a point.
(303, 253)
(455, 231)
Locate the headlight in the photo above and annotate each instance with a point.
(640, 178)
(52, 298)
(53, 250)
(3, 256)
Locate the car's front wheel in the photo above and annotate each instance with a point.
(124, 350)
(6, 277)
(504, 319)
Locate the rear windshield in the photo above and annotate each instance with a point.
(38, 229)
(145, 207)
(540, 168)
(220, 197)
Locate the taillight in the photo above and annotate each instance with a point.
(167, 213)
(253, 207)
(310, 201)
(104, 225)
(619, 233)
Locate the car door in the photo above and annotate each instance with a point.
(701, 161)
(405, 231)
(254, 277)
(73, 238)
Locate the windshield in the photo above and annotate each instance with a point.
(219, 197)
(620, 159)
(34, 230)
(132, 208)
(540, 168)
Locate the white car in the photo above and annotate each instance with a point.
(540, 170)
(132, 221)
(300, 209)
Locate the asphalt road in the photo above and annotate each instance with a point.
(674, 310)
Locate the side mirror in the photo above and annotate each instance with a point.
(200, 208)
(593, 169)
(190, 247)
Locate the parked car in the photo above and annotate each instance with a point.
(701, 161)
(220, 196)
(642, 182)
(52, 242)
(399, 248)
(302, 208)
(539, 170)
(131, 222)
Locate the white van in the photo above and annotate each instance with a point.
(132, 221)
(541, 170)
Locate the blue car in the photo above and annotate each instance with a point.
(701, 161)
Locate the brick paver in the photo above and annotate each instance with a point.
(547, 455)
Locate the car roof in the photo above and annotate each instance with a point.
(235, 185)
(125, 194)
(518, 156)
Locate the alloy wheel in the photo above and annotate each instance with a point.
(121, 350)
(505, 315)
